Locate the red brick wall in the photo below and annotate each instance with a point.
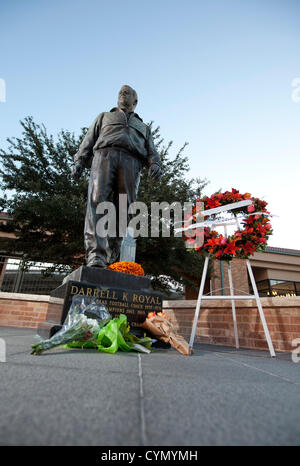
(18, 310)
(239, 277)
(214, 282)
(215, 324)
(54, 311)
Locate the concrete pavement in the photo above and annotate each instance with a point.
(218, 396)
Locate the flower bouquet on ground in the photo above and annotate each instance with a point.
(83, 324)
(89, 325)
(161, 328)
(115, 336)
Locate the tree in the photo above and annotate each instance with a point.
(166, 258)
(47, 207)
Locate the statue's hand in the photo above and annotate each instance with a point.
(77, 170)
(154, 171)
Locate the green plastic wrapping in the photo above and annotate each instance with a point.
(115, 336)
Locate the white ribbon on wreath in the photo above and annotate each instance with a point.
(221, 221)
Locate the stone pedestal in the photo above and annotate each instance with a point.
(120, 293)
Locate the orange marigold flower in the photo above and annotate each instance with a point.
(128, 267)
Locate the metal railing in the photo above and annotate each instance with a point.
(28, 277)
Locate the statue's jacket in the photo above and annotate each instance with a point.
(117, 129)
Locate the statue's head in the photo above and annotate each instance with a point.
(127, 99)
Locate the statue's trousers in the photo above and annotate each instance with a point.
(113, 172)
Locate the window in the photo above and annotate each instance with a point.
(277, 288)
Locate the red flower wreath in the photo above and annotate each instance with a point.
(244, 242)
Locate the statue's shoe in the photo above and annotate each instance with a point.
(96, 263)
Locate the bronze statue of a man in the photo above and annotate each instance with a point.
(116, 147)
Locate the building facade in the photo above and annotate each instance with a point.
(276, 272)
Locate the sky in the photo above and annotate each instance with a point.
(222, 75)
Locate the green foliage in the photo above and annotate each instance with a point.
(166, 258)
(47, 207)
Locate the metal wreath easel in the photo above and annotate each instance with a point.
(232, 297)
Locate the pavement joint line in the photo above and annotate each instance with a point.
(142, 406)
(258, 369)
